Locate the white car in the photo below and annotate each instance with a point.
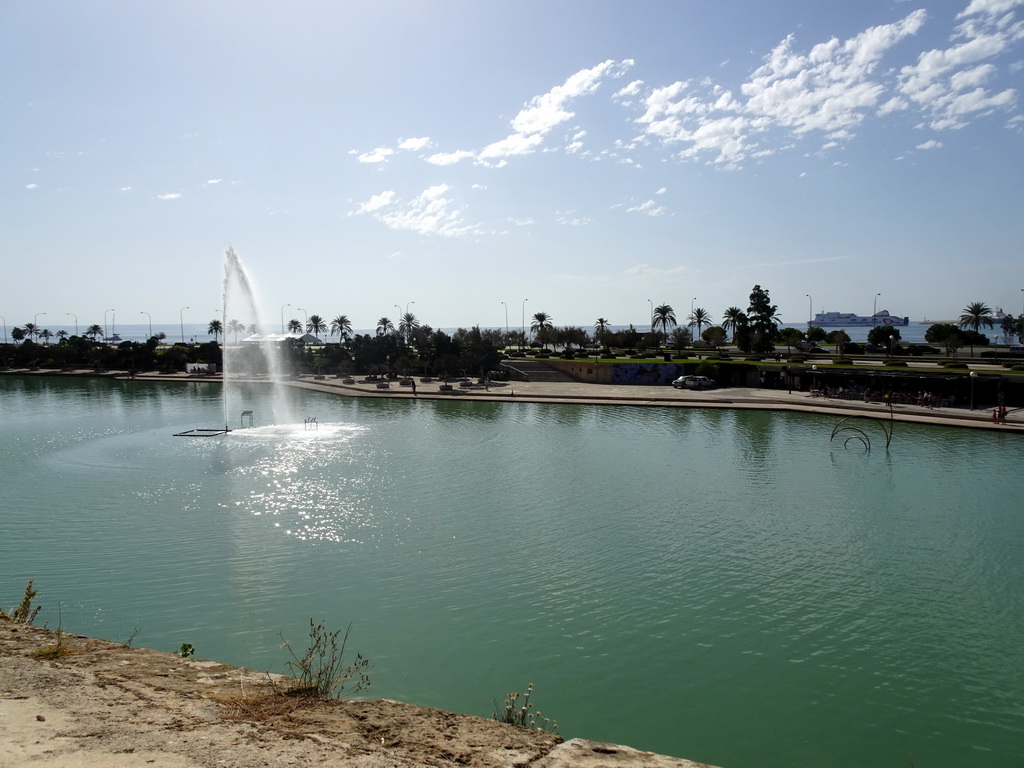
(693, 382)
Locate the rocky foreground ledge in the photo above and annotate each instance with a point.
(105, 705)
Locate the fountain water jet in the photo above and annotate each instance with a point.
(253, 361)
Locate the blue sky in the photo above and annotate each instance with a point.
(590, 157)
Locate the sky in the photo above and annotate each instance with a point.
(478, 162)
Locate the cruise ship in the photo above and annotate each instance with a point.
(850, 320)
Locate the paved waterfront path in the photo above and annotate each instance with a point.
(619, 394)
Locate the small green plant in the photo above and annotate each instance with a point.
(322, 669)
(520, 712)
(131, 638)
(24, 613)
(186, 650)
(59, 650)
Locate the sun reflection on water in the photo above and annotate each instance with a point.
(314, 479)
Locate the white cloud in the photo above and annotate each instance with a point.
(661, 191)
(31, 186)
(430, 213)
(990, 7)
(948, 84)
(449, 158)
(125, 189)
(415, 144)
(169, 196)
(376, 202)
(378, 155)
(930, 144)
(211, 182)
(649, 208)
(828, 89)
(543, 113)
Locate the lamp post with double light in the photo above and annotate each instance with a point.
(181, 322)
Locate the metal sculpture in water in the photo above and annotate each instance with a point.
(859, 435)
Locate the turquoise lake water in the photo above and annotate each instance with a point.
(724, 586)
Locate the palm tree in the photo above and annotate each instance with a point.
(665, 317)
(316, 325)
(700, 318)
(600, 329)
(974, 316)
(407, 325)
(342, 326)
(62, 336)
(541, 324)
(384, 325)
(294, 326)
(733, 319)
(93, 331)
(215, 329)
(46, 335)
(235, 327)
(31, 330)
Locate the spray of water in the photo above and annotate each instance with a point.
(262, 361)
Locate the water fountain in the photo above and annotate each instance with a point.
(260, 360)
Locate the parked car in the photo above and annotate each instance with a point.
(814, 349)
(693, 382)
(922, 349)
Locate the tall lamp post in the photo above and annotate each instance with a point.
(651, 303)
(810, 309)
(874, 310)
(5, 328)
(305, 318)
(181, 321)
(691, 324)
(72, 314)
(506, 321)
(144, 312)
(282, 316)
(524, 326)
(973, 376)
(105, 333)
(36, 321)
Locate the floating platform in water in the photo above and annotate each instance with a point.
(202, 432)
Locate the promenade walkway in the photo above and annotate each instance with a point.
(664, 396)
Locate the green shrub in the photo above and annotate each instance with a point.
(24, 613)
(795, 359)
(841, 361)
(520, 714)
(955, 365)
(322, 670)
(1018, 368)
(891, 363)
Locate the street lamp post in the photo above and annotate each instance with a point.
(506, 320)
(105, 333)
(305, 317)
(72, 314)
(144, 312)
(973, 376)
(810, 309)
(521, 340)
(691, 323)
(181, 321)
(652, 314)
(5, 328)
(407, 306)
(874, 310)
(282, 316)
(36, 321)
